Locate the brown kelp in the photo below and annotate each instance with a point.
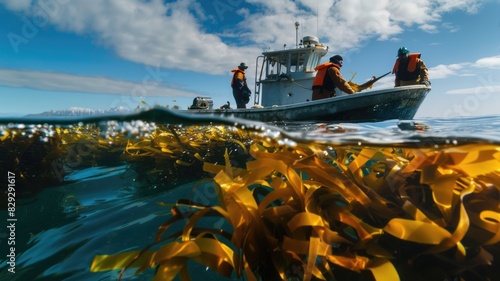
(42, 155)
(313, 211)
(290, 209)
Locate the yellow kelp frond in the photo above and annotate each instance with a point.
(172, 153)
(367, 85)
(358, 88)
(291, 211)
(316, 212)
(256, 232)
(43, 155)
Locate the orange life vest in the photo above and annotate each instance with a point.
(412, 65)
(238, 72)
(322, 79)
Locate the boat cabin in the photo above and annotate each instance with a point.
(285, 76)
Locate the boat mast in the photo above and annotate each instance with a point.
(297, 34)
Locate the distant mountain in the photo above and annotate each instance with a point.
(80, 112)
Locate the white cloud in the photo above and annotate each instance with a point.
(489, 62)
(173, 34)
(346, 24)
(470, 6)
(384, 83)
(410, 12)
(450, 27)
(463, 69)
(146, 32)
(444, 71)
(53, 81)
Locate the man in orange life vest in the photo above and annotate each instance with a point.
(410, 69)
(328, 78)
(241, 92)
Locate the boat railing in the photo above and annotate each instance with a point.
(258, 78)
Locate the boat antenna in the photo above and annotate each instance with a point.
(297, 24)
(317, 18)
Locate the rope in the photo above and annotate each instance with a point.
(293, 81)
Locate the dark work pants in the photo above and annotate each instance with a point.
(238, 97)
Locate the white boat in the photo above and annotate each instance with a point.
(283, 92)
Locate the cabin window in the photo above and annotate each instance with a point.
(297, 62)
(274, 68)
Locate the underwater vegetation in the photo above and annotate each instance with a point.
(289, 209)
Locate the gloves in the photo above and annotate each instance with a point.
(426, 83)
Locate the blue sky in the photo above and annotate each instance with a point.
(57, 54)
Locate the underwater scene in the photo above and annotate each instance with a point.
(157, 195)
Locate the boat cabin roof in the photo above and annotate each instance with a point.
(304, 57)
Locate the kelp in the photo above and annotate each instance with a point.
(171, 153)
(310, 211)
(43, 155)
(291, 211)
(367, 85)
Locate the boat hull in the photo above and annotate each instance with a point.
(371, 106)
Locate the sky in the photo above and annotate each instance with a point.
(101, 54)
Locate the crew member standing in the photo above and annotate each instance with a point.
(410, 69)
(241, 92)
(328, 78)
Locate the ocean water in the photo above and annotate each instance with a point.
(416, 199)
